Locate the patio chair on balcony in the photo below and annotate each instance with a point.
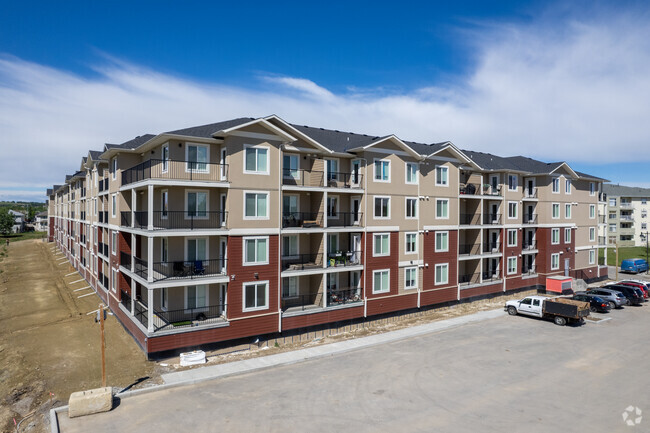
(198, 268)
(179, 269)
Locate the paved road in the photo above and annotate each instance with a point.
(509, 373)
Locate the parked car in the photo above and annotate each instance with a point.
(615, 298)
(596, 304)
(630, 293)
(561, 310)
(634, 265)
(645, 284)
(639, 286)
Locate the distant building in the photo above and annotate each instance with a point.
(40, 224)
(19, 221)
(626, 215)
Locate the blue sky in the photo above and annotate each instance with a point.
(542, 79)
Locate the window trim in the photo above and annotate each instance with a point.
(164, 210)
(553, 205)
(558, 261)
(406, 242)
(516, 182)
(338, 206)
(268, 204)
(374, 237)
(243, 299)
(374, 275)
(592, 189)
(515, 243)
(374, 174)
(114, 277)
(114, 242)
(284, 254)
(555, 230)
(374, 198)
(411, 268)
(295, 278)
(406, 173)
(592, 230)
(592, 211)
(437, 181)
(113, 205)
(567, 235)
(245, 250)
(186, 213)
(406, 208)
(165, 162)
(187, 158)
(567, 186)
(114, 168)
(516, 203)
(555, 180)
(567, 211)
(435, 241)
(592, 257)
(435, 274)
(207, 297)
(511, 259)
(442, 217)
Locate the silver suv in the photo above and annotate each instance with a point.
(615, 298)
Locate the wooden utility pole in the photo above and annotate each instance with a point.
(616, 264)
(101, 327)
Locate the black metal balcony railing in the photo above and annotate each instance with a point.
(188, 316)
(344, 296)
(100, 217)
(489, 277)
(469, 219)
(140, 267)
(176, 170)
(83, 215)
(529, 245)
(492, 218)
(469, 189)
(302, 177)
(302, 262)
(526, 270)
(125, 259)
(530, 218)
(602, 196)
(344, 258)
(177, 220)
(530, 192)
(466, 279)
(100, 278)
(601, 219)
(491, 247)
(301, 301)
(302, 219)
(469, 249)
(102, 248)
(72, 214)
(125, 300)
(188, 269)
(344, 219)
(103, 185)
(343, 180)
(83, 192)
(141, 313)
(106, 282)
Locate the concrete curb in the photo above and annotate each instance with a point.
(203, 374)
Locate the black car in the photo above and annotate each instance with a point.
(635, 296)
(596, 304)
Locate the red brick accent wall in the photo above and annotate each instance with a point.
(482, 290)
(543, 259)
(394, 303)
(377, 263)
(432, 294)
(50, 228)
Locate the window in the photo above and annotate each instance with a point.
(567, 186)
(382, 244)
(256, 296)
(196, 297)
(612, 215)
(290, 206)
(555, 236)
(442, 175)
(164, 203)
(290, 246)
(567, 236)
(411, 173)
(164, 298)
(332, 243)
(592, 257)
(197, 158)
(612, 227)
(512, 265)
(555, 261)
(165, 158)
(592, 234)
(113, 205)
(197, 204)
(512, 237)
(512, 209)
(381, 281)
(256, 251)
(382, 170)
(644, 201)
(556, 185)
(290, 167)
(113, 280)
(567, 211)
(592, 189)
(332, 206)
(256, 205)
(114, 242)
(256, 160)
(442, 274)
(612, 202)
(512, 182)
(95, 206)
(442, 242)
(411, 243)
(442, 208)
(382, 207)
(592, 211)
(411, 207)
(410, 278)
(644, 226)
(356, 167)
(290, 287)
(555, 210)
(114, 168)
(332, 166)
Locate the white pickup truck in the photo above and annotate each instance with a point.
(561, 310)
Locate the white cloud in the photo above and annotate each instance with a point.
(556, 89)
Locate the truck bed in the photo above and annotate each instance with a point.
(566, 308)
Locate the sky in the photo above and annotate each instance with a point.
(556, 81)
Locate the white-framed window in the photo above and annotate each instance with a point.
(196, 249)
(332, 281)
(164, 154)
(256, 159)
(381, 281)
(442, 242)
(113, 280)
(95, 236)
(411, 243)
(332, 243)
(164, 204)
(442, 274)
(290, 245)
(442, 175)
(512, 182)
(612, 227)
(381, 243)
(592, 257)
(114, 242)
(556, 185)
(164, 298)
(644, 226)
(555, 236)
(411, 278)
(197, 157)
(412, 173)
(512, 237)
(290, 164)
(332, 169)
(612, 215)
(382, 170)
(114, 168)
(612, 201)
(555, 261)
(256, 250)
(196, 204)
(442, 208)
(332, 206)
(592, 234)
(592, 211)
(164, 250)
(567, 235)
(113, 205)
(256, 296)
(382, 207)
(289, 287)
(512, 265)
(555, 210)
(196, 297)
(411, 204)
(567, 186)
(513, 209)
(356, 169)
(592, 188)
(644, 200)
(567, 211)
(95, 206)
(256, 205)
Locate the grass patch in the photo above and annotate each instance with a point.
(22, 236)
(623, 253)
(182, 323)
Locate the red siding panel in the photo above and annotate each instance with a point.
(321, 318)
(395, 303)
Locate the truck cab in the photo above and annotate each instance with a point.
(531, 306)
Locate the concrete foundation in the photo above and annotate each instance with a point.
(89, 402)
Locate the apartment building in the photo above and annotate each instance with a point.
(255, 226)
(627, 215)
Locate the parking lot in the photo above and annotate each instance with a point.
(510, 373)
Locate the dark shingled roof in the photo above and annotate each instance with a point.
(591, 176)
(206, 131)
(131, 144)
(94, 154)
(625, 191)
(49, 191)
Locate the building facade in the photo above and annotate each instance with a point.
(256, 226)
(627, 215)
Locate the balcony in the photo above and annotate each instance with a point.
(344, 258)
(492, 219)
(188, 269)
(601, 219)
(528, 271)
(317, 179)
(344, 219)
(478, 189)
(335, 297)
(165, 220)
(491, 247)
(469, 249)
(469, 219)
(176, 170)
(627, 218)
(530, 193)
(102, 249)
(188, 317)
(626, 205)
(103, 185)
(530, 218)
(302, 219)
(301, 262)
(529, 245)
(125, 260)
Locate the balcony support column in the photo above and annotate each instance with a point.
(133, 297)
(150, 309)
(150, 207)
(150, 259)
(133, 240)
(134, 200)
